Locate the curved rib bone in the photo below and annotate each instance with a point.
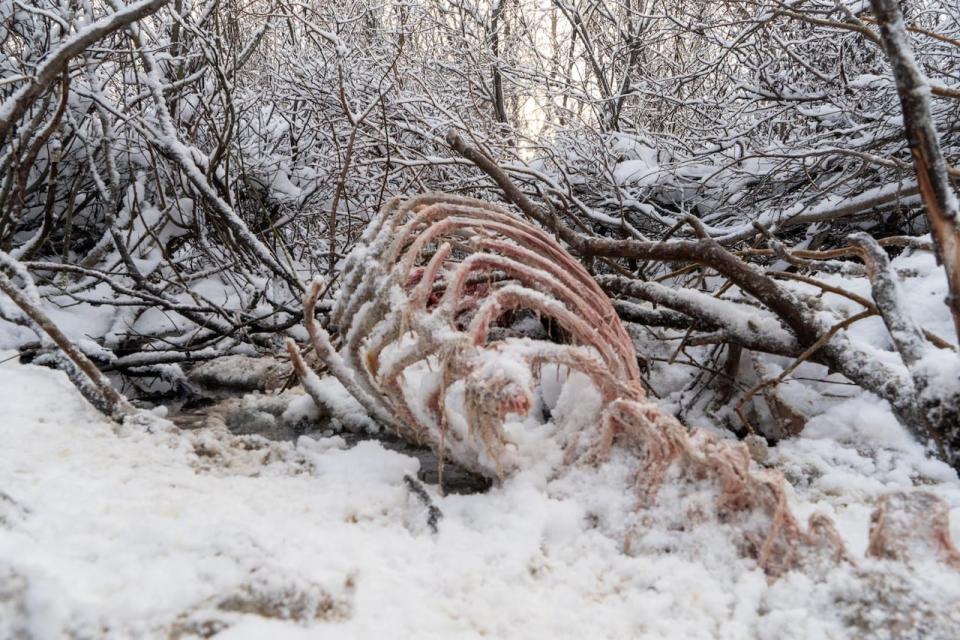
(420, 354)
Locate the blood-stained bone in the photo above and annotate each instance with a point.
(422, 297)
(894, 533)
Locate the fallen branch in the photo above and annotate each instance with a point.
(91, 382)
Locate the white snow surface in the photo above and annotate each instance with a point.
(146, 531)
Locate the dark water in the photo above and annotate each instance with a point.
(262, 415)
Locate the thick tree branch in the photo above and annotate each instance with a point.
(931, 168)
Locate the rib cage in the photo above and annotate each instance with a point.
(419, 296)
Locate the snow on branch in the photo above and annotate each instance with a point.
(939, 197)
(91, 382)
(55, 62)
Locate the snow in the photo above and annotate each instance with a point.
(147, 531)
(641, 172)
(924, 291)
(347, 412)
(144, 530)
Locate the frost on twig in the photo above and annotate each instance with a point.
(442, 315)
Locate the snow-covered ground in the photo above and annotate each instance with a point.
(144, 530)
(147, 531)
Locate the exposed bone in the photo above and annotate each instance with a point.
(404, 306)
(894, 533)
